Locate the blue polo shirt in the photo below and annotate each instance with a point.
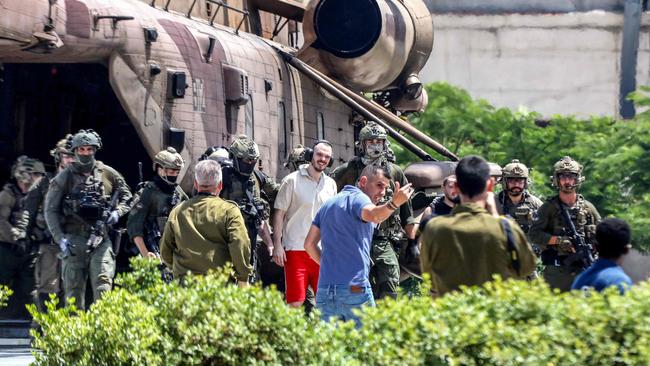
(345, 239)
(602, 274)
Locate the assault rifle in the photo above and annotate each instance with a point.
(583, 257)
(99, 229)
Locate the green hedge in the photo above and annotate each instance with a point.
(5, 292)
(211, 322)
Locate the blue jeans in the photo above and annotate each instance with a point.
(338, 301)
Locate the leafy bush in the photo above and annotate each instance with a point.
(211, 322)
(5, 292)
(207, 321)
(615, 154)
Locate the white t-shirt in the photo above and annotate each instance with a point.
(301, 197)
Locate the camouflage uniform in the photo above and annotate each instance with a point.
(154, 201)
(389, 235)
(32, 225)
(550, 223)
(252, 190)
(78, 197)
(525, 211)
(16, 255)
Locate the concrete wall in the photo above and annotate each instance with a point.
(551, 63)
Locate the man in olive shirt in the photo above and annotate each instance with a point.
(473, 243)
(206, 231)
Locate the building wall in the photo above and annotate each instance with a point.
(551, 63)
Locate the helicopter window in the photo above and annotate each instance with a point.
(249, 127)
(320, 125)
(282, 122)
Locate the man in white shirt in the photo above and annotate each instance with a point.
(300, 197)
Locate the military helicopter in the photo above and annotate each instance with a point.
(195, 73)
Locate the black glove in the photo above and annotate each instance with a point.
(412, 251)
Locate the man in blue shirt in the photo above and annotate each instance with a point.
(612, 243)
(344, 225)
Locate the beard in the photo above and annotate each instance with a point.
(318, 167)
(516, 192)
(568, 188)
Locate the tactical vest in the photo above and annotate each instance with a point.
(583, 220)
(524, 212)
(158, 217)
(581, 216)
(246, 192)
(17, 208)
(86, 196)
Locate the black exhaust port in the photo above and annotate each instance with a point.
(347, 28)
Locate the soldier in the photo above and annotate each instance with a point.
(32, 226)
(153, 203)
(472, 244)
(16, 256)
(514, 199)
(252, 190)
(552, 233)
(81, 201)
(296, 158)
(387, 238)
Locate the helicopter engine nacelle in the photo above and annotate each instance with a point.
(369, 45)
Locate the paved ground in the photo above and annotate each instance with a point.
(15, 356)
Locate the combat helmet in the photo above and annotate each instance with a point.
(85, 137)
(219, 154)
(24, 167)
(168, 159)
(514, 169)
(296, 158)
(372, 131)
(61, 147)
(567, 165)
(244, 149)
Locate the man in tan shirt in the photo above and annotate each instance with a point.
(206, 231)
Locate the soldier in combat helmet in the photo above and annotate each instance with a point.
(387, 238)
(32, 226)
(552, 233)
(296, 158)
(153, 203)
(252, 190)
(82, 200)
(16, 256)
(514, 199)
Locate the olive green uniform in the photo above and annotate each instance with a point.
(64, 218)
(254, 195)
(388, 236)
(16, 260)
(150, 210)
(469, 246)
(203, 233)
(524, 212)
(550, 223)
(32, 225)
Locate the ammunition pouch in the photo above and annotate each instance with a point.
(91, 207)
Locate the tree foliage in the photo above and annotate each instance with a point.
(210, 321)
(615, 154)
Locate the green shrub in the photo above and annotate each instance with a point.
(5, 292)
(212, 322)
